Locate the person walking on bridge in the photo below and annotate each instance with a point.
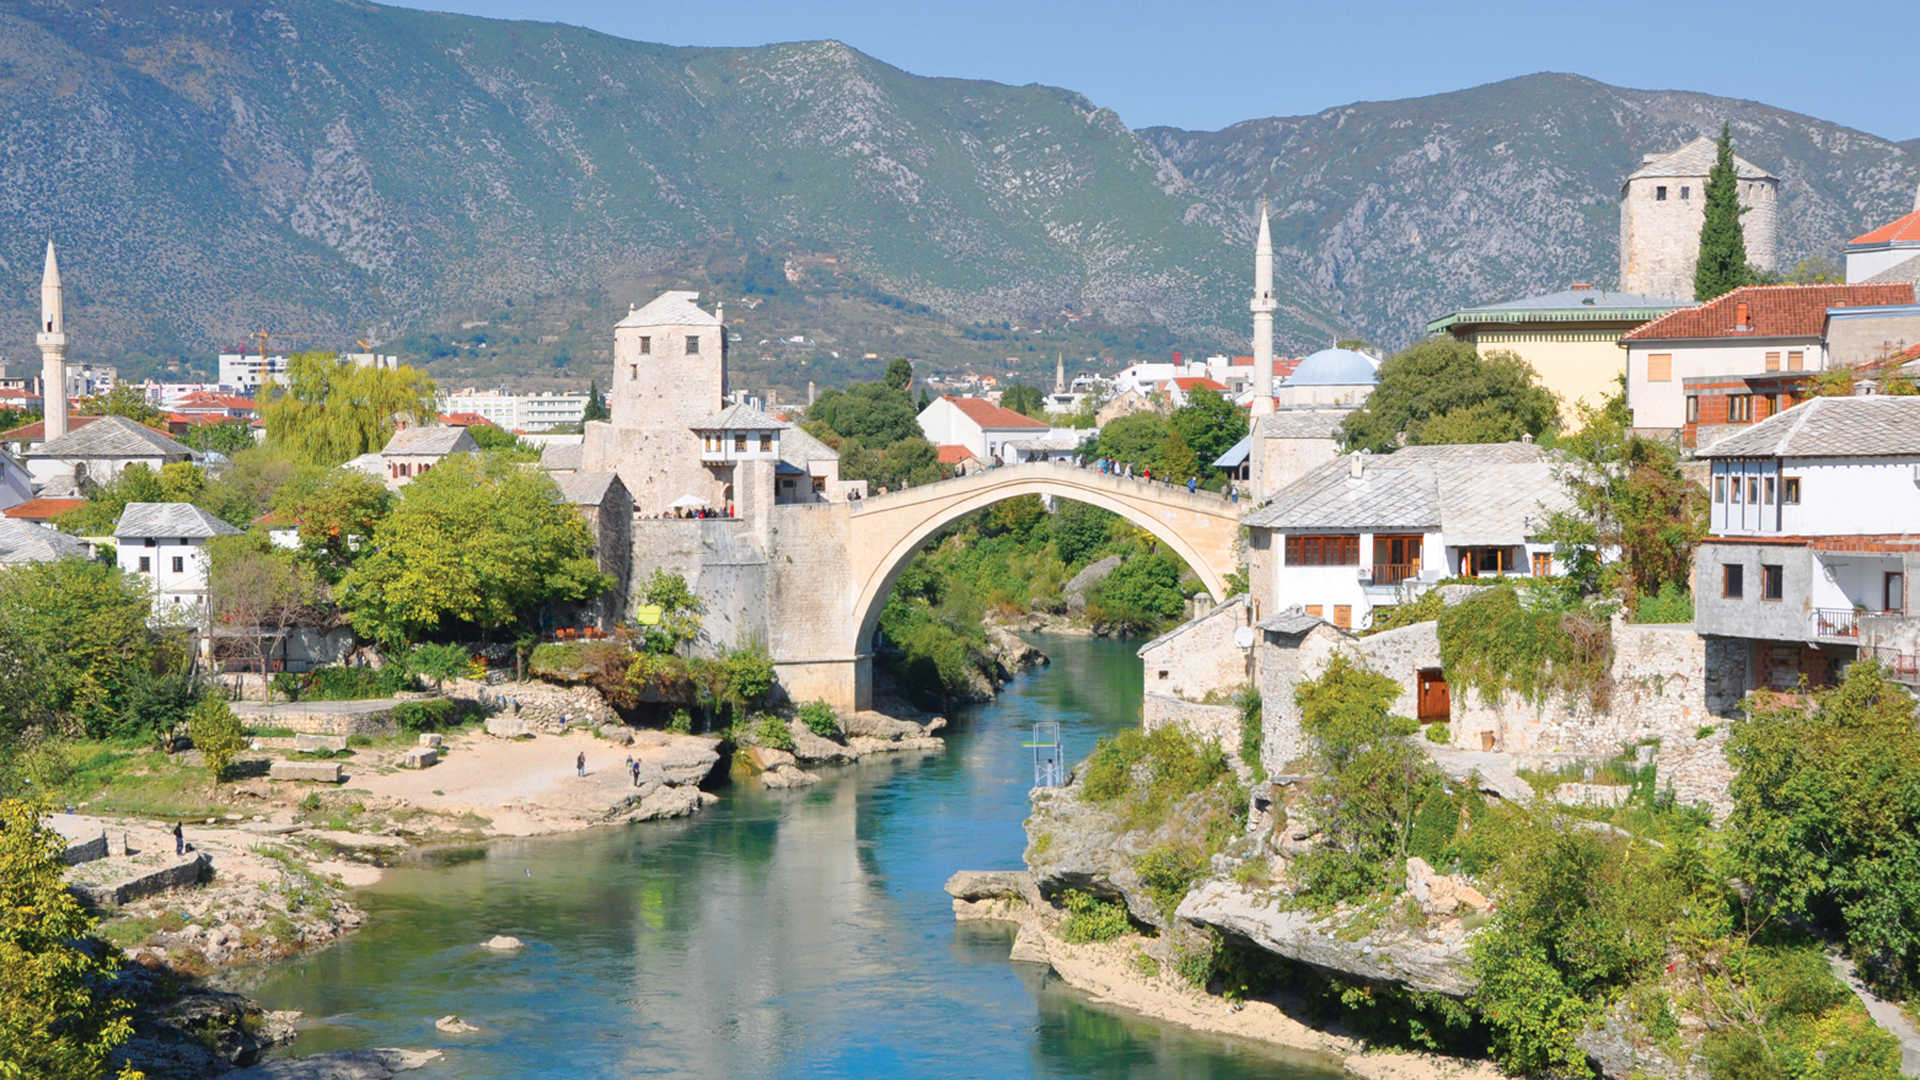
(1192, 482)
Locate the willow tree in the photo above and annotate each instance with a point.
(1722, 267)
(330, 411)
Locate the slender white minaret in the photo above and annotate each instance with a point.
(1262, 306)
(52, 340)
(1059, 373)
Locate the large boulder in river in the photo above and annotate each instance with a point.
(1383, 954)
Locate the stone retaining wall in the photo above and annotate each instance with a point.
(1221, 723)
(323, 717)
(542, 705)
(85, 851)
(177, 875)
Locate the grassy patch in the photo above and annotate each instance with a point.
(1090, 919)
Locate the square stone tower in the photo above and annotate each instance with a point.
(669, 373)
(1662, 206)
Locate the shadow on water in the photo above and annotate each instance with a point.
(784, 934)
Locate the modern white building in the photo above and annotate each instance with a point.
(1812, 541)
(248, 372)
(543, 411)
(984, 428)
(1749, 331)
(1368, 531)
(165, 543)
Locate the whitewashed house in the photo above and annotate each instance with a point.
(984, 428)
(165, 543)
(1812, 540)
(96, 453)
(1750, 331)
(1367, 531)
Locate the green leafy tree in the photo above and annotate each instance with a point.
(125, 399)
(330, 411)
(81, 630)
(247, 486)
(475, 540)
(59, 1018)
(1372, 779)
(1175, 460)
(596, 405)
(1722, 266)
(680, 611)
(335, 511)
(1079, 530)
(1826, 818)
(1134, 439)
(873, 413)
(228, 438)
(1025, 400)
(260, 593)
(1209, 423)
(899, 374)
(1629, 496)
(438, 664)
(1142, 594)
(1441, 389)
(926, 399)
(497, 440)
(217, 734)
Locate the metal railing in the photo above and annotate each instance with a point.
(1903, 667)
(1836, 622)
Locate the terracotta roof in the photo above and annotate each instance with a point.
(37, 431)
(1772, 311)
(952, 453)
(42, 509)
(1282, 365)
(1189, 382)
(1904, 230)
(465, 419)
(988, 415)
(195, 419)
(201, 398)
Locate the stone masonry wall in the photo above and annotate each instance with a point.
(1199, 657)
(719, 561)
(1660, 239)
(1220, 723)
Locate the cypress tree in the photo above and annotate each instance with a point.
(596, 408)
(1722, 267)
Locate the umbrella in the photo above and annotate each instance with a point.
(688, 502)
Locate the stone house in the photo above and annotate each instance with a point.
(1754, 330)
(96, 453)
(1191, 670)
(1663, 204)
(982, 427)
(1283, 447)
(602, 500)
(1569, 338)
(414, 450)
(18, 440)
(1369, 531)
(165, 543)
(1811, 543)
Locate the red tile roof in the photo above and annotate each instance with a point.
(42, 509)
(195, 419)
(1772, 311)
(988, 415)
(465, 419)
(953, 453)
(1189, 382)
(1905, 230)
(207, 398)
(37, 431)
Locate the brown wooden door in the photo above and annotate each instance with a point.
(1435, 700)
(1343, 616)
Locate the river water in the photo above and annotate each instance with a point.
(777, 934)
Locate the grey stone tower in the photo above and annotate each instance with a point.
(1663, 203)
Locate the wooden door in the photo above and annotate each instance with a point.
(1343, 616)
(1435, 704)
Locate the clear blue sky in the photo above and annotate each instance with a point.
(1204, 64)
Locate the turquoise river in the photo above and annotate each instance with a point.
(777, 934)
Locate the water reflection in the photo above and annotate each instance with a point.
(779, 934)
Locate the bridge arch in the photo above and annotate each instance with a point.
(888, 530)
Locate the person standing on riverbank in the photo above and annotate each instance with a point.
(580, 764)
(179, 840)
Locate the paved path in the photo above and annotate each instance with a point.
(1885, 1013)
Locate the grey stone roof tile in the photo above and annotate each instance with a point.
(1874, 426)
(23, 542)
(158, 519)
(430, 439)
(112, 437)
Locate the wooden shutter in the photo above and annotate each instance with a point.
(1659, 367)
(1796, 361)
(1773, 361)
(1343, 616)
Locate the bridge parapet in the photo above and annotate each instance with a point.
(1063, 473)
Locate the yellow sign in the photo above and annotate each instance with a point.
(648, 615)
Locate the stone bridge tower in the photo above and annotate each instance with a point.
(669, 373)
(1662, 206)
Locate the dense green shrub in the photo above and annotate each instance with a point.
(1330, 875)
(819, 718)
(772, 732)
(1174, 763)
(1426, 609)
(1141, 595)
(1672, 604)
(1168, 871)
(433, 714)
(1826, 819)
(1494, 644)
(345, 683)
(1435, 823)
(1091, 919)
(1792, 1019)
(1252, 736)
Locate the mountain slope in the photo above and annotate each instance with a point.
(499, 190)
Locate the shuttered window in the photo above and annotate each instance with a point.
(1659, 367)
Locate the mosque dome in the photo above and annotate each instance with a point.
(1335, 367)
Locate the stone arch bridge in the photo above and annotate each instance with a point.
(833, 565)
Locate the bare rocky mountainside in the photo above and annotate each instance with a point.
(489, 195)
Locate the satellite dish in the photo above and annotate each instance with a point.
(1243, 637)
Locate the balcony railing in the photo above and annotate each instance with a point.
(1903, 667)
(1394, 573)
(1836, 622)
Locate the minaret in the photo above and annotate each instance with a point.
(1059, 373)
(52, 340)
(1262, 307)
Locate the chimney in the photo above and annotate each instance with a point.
(1740, 315)
(1356, 465)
